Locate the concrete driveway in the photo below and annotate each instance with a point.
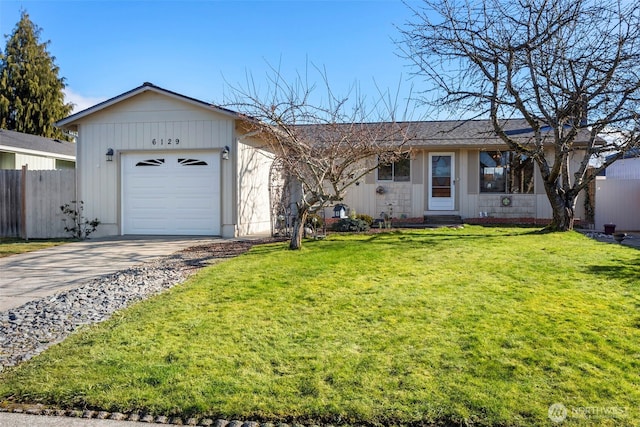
(24, 420)
(41, 273)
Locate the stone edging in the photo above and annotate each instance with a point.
(138, 417)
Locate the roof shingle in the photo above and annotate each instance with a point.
(23, 141)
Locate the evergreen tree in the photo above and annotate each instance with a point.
(31, 97)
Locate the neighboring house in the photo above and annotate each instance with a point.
(627, 167)
(460, 168)
(38, 153)
(618, 194)
(154, 162)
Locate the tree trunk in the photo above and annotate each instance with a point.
(564, 210)
(298, 229)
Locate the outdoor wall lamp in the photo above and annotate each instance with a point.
(109, 154)
(225, 152)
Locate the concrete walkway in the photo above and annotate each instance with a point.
(632, 240)
(33, 275)
(25, 420)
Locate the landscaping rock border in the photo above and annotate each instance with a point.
(142, 417)
(28, 330)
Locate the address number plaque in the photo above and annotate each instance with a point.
(163, 141)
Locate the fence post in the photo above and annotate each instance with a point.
(23, 203)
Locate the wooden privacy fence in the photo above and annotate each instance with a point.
(30, 202)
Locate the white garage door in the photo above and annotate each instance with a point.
(171, 193)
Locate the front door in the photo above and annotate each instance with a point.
(441, 181)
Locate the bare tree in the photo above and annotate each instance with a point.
(326, 144)
(568, 67)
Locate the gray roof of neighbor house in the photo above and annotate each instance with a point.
(18, 142)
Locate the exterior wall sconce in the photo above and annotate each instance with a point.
(225, 152)
(109, 154)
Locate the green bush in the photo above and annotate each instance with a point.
(348, 224)
(366, 218)
(314, 220)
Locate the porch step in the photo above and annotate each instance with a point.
(443, 219)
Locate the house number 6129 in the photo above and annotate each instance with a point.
(162, 141)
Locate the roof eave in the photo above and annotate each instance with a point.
(10, 149)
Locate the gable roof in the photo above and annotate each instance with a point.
(71, 121)
(441, 134)
(24, 143)
(446, 133)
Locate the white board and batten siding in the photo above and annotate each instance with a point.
(137, 129)
(253, 204)
(625, 169)
(35, 162)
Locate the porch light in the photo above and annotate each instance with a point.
(225, 152)
(109, 154)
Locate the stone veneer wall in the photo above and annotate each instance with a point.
(522, 206)
(398, 195)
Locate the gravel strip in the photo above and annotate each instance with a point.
(28, 330)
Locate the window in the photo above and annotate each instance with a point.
(505, 172)
(399, 171)
(192, 162)
(151, 162)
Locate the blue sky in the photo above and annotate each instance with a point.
(104, 48)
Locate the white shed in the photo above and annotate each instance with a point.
(154, 162)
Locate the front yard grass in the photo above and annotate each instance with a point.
(475, 326)
(11, 246)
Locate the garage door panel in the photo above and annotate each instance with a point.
(192, 227)
(142, 204)
(149, 225)
(166, 194)
(194, 210)
(193, 193)
(195, 182)
(149, 181)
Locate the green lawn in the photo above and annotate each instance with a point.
(483, 326)
(10, 246)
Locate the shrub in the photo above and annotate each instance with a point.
(314, 220)
(366, 218)
(79, 227)
(348, 224)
